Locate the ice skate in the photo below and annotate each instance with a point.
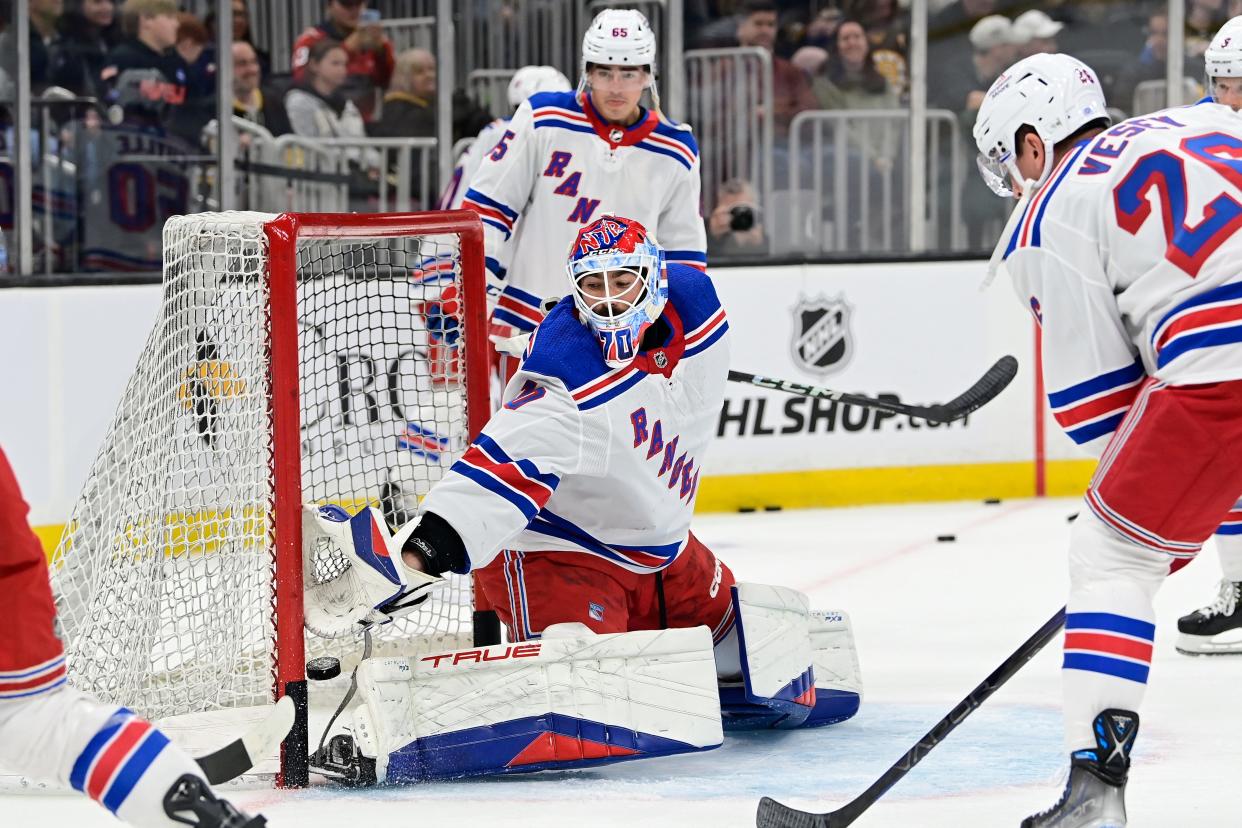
(1215, 629)
(1095, 791)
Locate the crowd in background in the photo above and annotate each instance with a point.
(148, 62)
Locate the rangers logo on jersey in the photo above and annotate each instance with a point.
(822, 342)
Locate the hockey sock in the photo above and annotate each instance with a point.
(1109, 626)
(118, 759)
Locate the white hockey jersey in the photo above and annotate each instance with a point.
(1129, 259)
(468, 164)
(556, 168)
(587, 459)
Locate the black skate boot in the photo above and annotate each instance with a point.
(190, 802)
(1217, 628)
(1095, 792)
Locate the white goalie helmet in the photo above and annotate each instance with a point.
(1223, 58)
(619, 37)
(1054, 94)
(531, 79)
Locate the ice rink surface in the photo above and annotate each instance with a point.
(932, 619)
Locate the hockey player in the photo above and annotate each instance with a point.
(1217, 627)
(50, 731)
(1124, 246)
(525, 82)
(567, 158)
(573, 508)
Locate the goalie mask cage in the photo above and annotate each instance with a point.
(301, 358)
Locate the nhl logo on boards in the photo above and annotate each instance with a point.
(822, 342)
(616, 134)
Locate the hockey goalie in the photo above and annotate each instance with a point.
(628, 637)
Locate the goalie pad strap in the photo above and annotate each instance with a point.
(556, 703)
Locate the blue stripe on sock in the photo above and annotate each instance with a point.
(77, 776)
(1111, 623)
(137, 765)
(1108, 666)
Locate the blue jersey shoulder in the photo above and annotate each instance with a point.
(563, 348)
(692, 295)
(563, 100)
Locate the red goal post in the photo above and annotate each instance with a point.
(299, 358)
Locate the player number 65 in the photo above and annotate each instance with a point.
(620, 32)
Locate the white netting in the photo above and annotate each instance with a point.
(164, 577)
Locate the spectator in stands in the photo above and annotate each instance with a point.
(1203, 19)
(242, 34)
(733, 226)
(315, 105)
(192, 43)
(822, 30)
(317, 109)
(851, 79)
(370, 54)
(44, 17)
(147, 77)
(888, 33)
(1151, 63)
(790, 89)
(993, 41)
(1038, 31)
(88, 31)
(249, 102)
(409, 106)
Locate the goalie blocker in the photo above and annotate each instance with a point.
(569, 697)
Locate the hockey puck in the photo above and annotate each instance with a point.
(323, 668)
(746, 510)
(992, 501)
(1071, 518)
(945, 538)
(771, 508)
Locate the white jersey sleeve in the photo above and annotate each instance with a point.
(512, 468)
(501, 186)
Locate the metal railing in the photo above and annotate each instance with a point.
(850, 183)
(1153, 95)
(732, 115)
(490, 87)
(410, 33)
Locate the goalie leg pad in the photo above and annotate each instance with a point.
(572, 699)
(838, 680)
(772, 625)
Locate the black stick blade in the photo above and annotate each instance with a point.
(773, 814)
(982, 392)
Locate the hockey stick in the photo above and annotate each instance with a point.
(241, 754)
(773, 814)
(975, 397)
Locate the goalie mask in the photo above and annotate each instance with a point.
(620, 284)
(1054, 94)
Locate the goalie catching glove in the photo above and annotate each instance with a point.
(371, 585)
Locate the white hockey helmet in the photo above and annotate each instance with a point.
(620, 37)
(1223, 58)
(531, 79)
(1054, 94)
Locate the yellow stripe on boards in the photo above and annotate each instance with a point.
(805, 489)
(899, 484)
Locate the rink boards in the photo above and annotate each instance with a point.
(921, 332)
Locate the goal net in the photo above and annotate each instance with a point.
(309, 358)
